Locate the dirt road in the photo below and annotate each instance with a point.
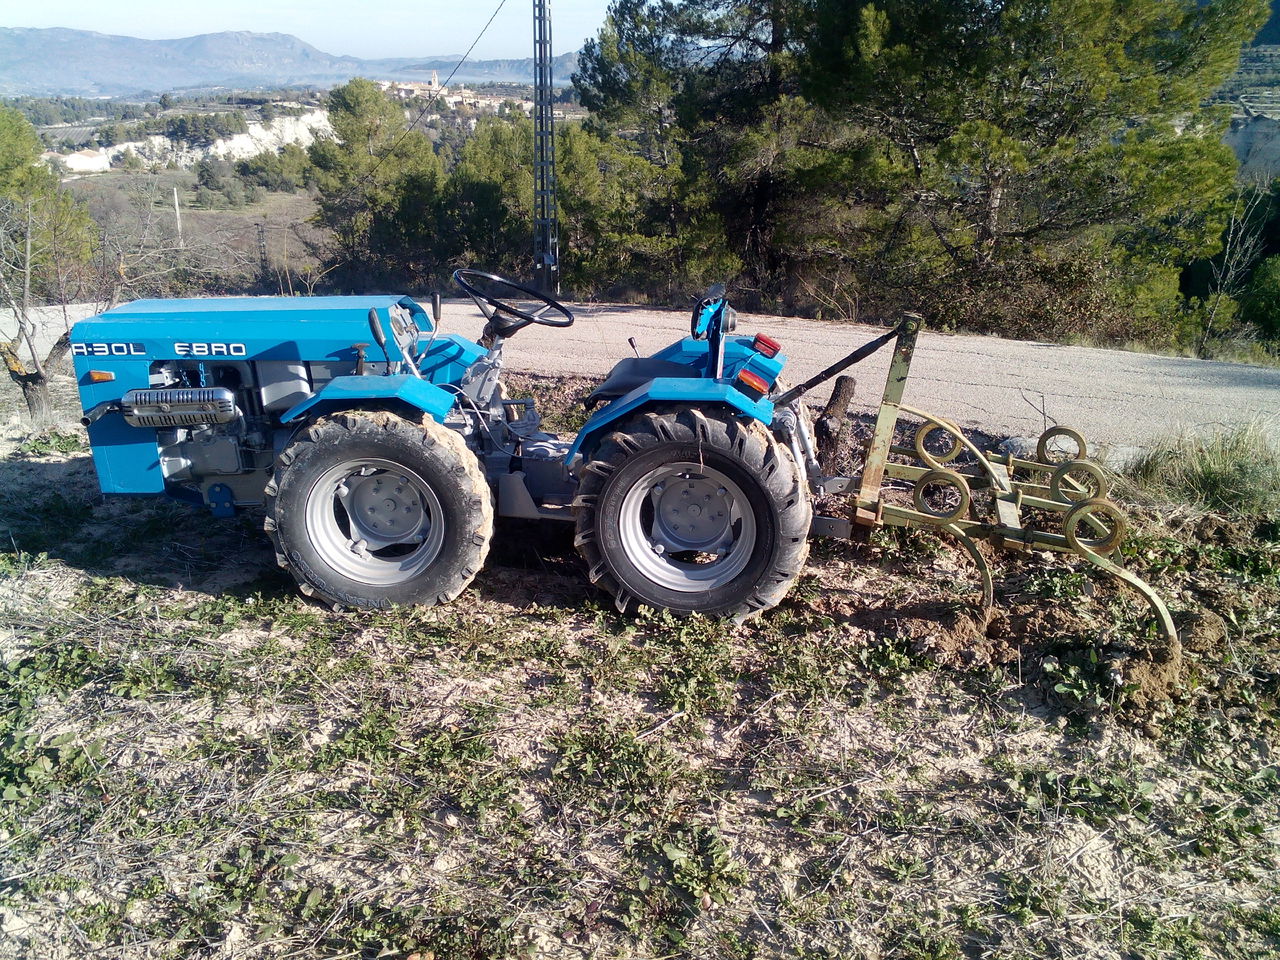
(1005, 387)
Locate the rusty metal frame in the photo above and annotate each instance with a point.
(1090, 525)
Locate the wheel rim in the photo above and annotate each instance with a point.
(687, 527)
(374, 521)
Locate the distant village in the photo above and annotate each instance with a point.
(459, 104)
(455, 98)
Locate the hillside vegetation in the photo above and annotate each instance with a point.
(843, 159)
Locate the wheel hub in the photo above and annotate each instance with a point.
(687, 527)
(691, 514)
(383, 508)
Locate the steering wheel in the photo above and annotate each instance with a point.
(504, 318)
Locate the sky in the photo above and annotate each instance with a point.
(360, 28)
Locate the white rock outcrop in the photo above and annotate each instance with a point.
(302, 130)
(1256, 142)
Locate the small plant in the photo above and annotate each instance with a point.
(18, 563)
(52, 441)
(1094, 797)
(29, 762)
(701, 869)
(1058, 584)
(1028, 897)
(904, 867)
(1082, 676)
(406, 773)
(695, 666)
(1147, 935)
(609, 769)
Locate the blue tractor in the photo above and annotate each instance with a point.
(381, 463)
(381, 448)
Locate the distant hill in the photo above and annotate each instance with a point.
(62, 62)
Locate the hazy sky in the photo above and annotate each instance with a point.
(362, 28)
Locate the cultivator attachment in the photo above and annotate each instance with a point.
(923, 472)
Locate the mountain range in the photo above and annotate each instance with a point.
(63, 62)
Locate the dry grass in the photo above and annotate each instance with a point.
(1233, 471)
(197, 762)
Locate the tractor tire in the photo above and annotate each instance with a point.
(368, 509)
(693, 511)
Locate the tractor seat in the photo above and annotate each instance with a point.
(632, 372)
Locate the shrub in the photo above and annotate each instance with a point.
(1262, 299)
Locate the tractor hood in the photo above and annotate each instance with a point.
(250, 328)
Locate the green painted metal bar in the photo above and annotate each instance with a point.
(873, 468)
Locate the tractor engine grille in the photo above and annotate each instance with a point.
(184, 407)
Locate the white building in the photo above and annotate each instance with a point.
(87, 161)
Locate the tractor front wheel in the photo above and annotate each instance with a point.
(367, 509)
(693, 512)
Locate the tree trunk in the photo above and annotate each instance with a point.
(34, 384)
(832, 431)
(991, 222)
(35, 391)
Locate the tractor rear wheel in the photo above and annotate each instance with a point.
(368, 509)
(693, 511)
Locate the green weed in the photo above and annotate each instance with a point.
(1095, 797)
(609, 770)
(52, 441)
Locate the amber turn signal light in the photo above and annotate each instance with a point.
(101, 376)
(753, 380)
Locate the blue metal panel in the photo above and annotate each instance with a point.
(126, 458)
(240, 328)
(448, 358)
(693, 393)
(738, 353)
(688, 351)
(344, 392)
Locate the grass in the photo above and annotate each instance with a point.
(196, 761)
(1232, 471)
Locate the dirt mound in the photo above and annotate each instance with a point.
(1201, 631)
(1152, 674)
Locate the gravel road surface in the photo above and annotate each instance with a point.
(1004, 387)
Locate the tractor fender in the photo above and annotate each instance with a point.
(667, 391)
(342, 393)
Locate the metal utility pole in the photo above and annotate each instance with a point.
(546, 224)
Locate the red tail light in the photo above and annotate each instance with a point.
(763, 343)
